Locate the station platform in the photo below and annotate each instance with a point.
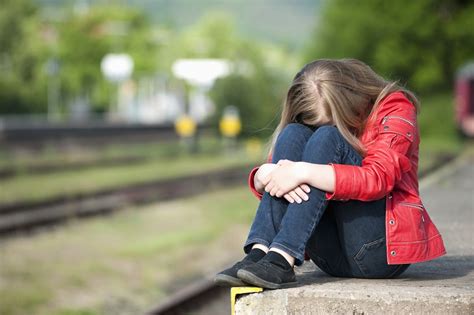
(441, 286)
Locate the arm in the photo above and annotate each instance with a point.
(263, 171)
(290, 175)
(386, 161)
(257, 183)
(319, 176)
(387, 158)
(255, 176)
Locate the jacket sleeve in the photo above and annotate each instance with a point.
(252, 183)
(251, 177)
(387, 157)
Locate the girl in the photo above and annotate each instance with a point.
(342, 184)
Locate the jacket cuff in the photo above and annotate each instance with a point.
(329, 195)
(251, 183)
(343, 184)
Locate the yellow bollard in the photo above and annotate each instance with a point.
(230, 126)
(234, 291)
(185, 126)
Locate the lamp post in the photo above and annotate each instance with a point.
(200, 74)
(52, 69)
(116, 68)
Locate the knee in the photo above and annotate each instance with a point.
(325, 136)
(295, 131)
(327, 131)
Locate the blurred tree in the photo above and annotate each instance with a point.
(76, 41)
(22, 55)
(422, 42)
(257, 84)
(85, 38)
(256, 89)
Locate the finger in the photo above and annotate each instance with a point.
(279, 193)
(295, 196)
(282, 162)
(266, 180)
(305, 188)
(288, 197)
(274, 191)
(298, 191)
(268, 187)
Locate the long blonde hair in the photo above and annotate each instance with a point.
(340, 92)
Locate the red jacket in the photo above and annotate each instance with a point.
(390, 169)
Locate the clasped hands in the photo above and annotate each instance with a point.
(284, 179)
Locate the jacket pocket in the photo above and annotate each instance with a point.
(400, 126)
(413, 215)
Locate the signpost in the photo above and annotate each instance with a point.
(116, 68)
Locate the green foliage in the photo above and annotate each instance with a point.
(21, 58)
(437, 125)
(257, 105)
(256, 87)
(421, 42)
(78, 41)
(86, 38)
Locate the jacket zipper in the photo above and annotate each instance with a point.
(414, 205)
(398, 117)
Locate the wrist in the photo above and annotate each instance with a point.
(257, 180)
(302, 172)
(258, 185)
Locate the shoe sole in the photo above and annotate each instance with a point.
(228, 281)
(252, 279)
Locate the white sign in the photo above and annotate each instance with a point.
(201, 72)
(117, 67)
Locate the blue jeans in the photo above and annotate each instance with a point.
(344, 238)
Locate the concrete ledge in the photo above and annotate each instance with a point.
(442, 286)
(408, 295)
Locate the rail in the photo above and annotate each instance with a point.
(24, 216)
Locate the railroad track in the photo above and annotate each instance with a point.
(36, 136)
(24, 216)
(43, 168)
(195, 299)
(27, 215)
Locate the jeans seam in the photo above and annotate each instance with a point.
(313, 225)
(395, 271)
(343, 144)
(340, 147)
(363, 248)
(356, 256)
(302, 247)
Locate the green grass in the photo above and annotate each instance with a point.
(127, 261)
(437, 125)
(66, 183)
(19, 159)
(437, 129)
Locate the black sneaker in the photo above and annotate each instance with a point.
(228, 277)
(268, 273)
